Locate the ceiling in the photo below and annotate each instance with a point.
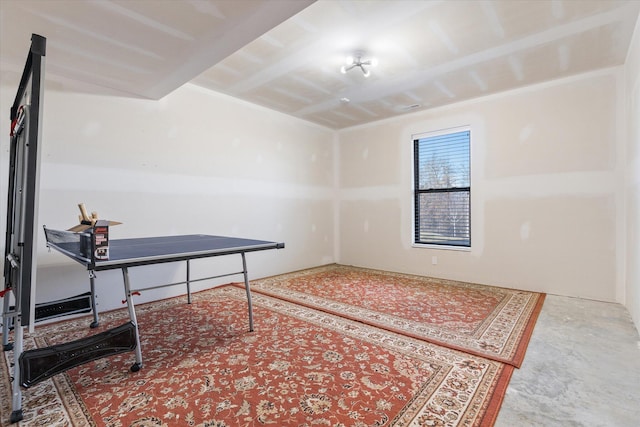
(286, 54)
(145, 48)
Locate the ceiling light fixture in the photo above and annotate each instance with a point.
(357, 62)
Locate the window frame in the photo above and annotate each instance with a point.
(416, 191)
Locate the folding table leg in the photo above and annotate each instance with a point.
(92, 281)
(16, 414)
(6, 319)
(248, 289)
(188, 283)
(132, 315)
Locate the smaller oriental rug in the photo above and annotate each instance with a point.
(483, 320)
(300, 367)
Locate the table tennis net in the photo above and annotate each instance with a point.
(78, 244)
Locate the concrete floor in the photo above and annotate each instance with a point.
(582, 368)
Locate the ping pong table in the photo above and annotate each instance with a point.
(127, 253)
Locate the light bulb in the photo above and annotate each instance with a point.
(343, 69)
(349, 60)
(374, 62)
(367, 73)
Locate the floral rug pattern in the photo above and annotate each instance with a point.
(484, 320)
(300, 367)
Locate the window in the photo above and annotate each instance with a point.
(442, 189)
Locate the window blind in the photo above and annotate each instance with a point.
(443, 189)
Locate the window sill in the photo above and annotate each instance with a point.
(441, 247)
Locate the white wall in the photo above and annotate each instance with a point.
(546, 190)
(632, 84)
(193, 162)
(548, 196)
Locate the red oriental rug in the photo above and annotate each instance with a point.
(300, 367)
(483, 320)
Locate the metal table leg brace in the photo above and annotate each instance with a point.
(132, 315)
(131, 308)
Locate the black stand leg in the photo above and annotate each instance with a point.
(15, 416)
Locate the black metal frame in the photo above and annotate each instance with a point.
(20, 240)
(22, 208)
